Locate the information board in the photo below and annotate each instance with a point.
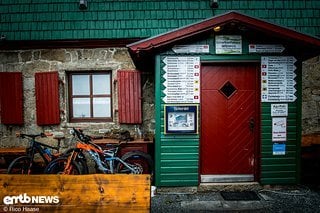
(279, 129)
(278, 79)
(228, 44)
(194, 48)
(266, 48)
(181, 79)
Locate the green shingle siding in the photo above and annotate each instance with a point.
(177, 13)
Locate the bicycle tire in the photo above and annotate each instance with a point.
(19, 165)
(57, 167)
(140, 159)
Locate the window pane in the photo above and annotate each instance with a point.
(81, 107)
(80, 85)
(101, 107)
(101, 84)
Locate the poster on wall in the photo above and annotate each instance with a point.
(181, 80)
(181, 119)
(279, 129)
(228, 44)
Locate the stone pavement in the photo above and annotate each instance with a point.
(297, 198)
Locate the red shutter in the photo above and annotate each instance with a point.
(47, 98)
(129, 97)
(11, 99)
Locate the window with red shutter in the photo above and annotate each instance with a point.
(90, 96)
(11, 99)
(47, 98)
(129, 97)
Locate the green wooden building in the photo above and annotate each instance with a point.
(227, 76)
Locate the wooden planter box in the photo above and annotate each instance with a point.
(75, 193)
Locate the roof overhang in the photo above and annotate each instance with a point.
(307, 46)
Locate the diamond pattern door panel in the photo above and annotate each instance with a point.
(228, 106)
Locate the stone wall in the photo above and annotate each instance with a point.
(43, 60)
(311, 96)
(62, 60)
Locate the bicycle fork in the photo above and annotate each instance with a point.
(69, 167)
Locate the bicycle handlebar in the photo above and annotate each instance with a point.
(82, 137)
(22, 135)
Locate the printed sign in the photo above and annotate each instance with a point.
(279, 129)
(266, 48)
(279, 110)
(182, 80)
(181, 118)
(202, 48)
(228, 44)
(277, 79)
(279, 149)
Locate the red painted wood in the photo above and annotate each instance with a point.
(47, 98)
(227, 143)
(129, 97)
(11, 99)
(208, 24)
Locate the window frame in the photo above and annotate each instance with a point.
(90, 96)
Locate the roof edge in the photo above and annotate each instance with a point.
(207, 24)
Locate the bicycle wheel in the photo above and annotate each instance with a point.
(81, 160)
(57, 167)
(20, 165)
(140, 161)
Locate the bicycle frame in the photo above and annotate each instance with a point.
(97, 153)
(36, 147)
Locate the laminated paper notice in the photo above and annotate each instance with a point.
(279, 129)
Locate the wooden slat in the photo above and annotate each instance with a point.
(81, 193)
(12, 151)
(129, 97)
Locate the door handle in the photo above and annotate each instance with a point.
(251, 124)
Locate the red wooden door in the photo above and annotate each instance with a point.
(228, 119)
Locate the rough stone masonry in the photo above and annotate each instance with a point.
(63, 60)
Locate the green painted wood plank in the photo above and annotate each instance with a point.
(274, 181)
(179, 163)
(179, 183)
(176, 169)
(279, 174)
(180, 176)
(179, 156)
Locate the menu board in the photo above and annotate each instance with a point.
(181, 79)
(278, 79)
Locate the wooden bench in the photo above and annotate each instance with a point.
(9, 154)
(12, 151)
(77, 193)
(138, 144)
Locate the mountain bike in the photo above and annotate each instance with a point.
(27, 164)
(106, 160)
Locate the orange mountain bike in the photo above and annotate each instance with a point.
(106, 160)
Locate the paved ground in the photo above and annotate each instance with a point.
(272, 199)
